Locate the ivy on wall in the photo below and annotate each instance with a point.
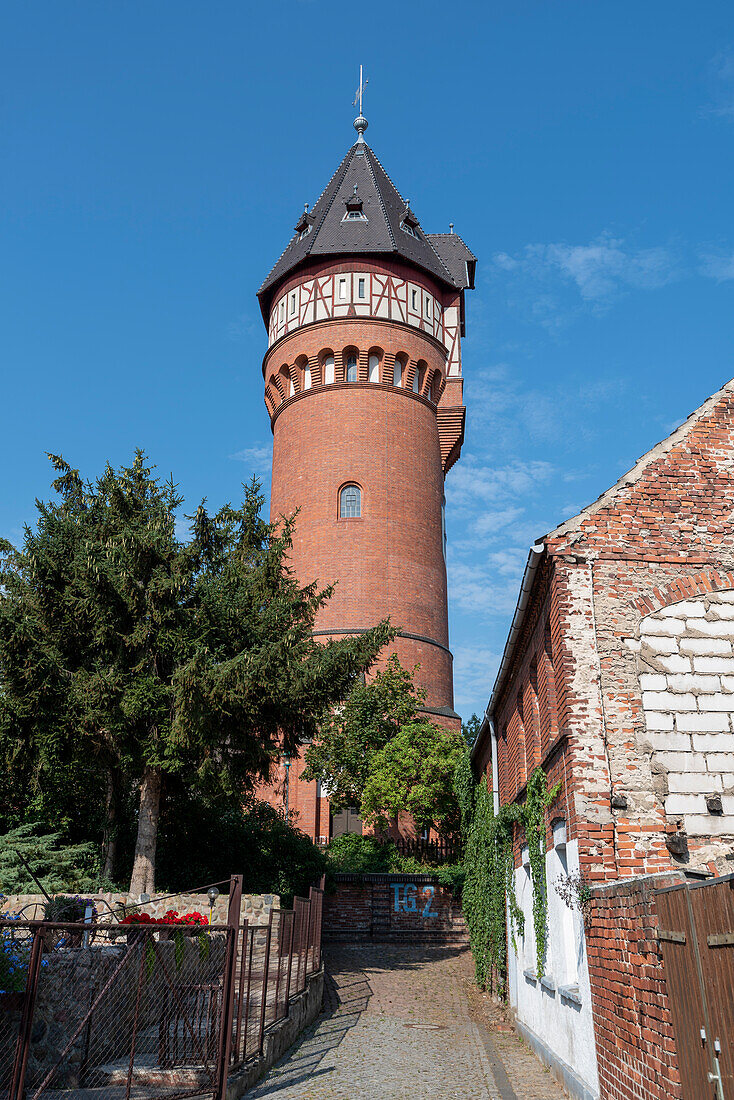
(489, 900)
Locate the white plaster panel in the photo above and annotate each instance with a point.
(564, 1028)
(708, 825)
(686, 673)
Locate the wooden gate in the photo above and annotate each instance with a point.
(696, 934)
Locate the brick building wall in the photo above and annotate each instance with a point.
(618, 682)
(635, 1041)
(392, 907)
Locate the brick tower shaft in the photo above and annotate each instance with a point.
(363, 385)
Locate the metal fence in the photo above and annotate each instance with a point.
(434, 851)
(148, 1011)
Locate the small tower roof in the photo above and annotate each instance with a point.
(327, 232)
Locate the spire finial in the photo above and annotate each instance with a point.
(360, 122)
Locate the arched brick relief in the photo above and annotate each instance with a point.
(283, 381)
(314, 365)
(272, 399)
(328, 366)
(375, 359)
(708, 580)
(294, 376)
(303, 374)
(403, 362)
(685, 663)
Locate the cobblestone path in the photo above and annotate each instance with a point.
(397, 1026)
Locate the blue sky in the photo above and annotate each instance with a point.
(156, 156)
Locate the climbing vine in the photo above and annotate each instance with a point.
(533, 813)
(489, 888)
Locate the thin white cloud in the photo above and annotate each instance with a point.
(719, 267)
(475, 668)
(258, 455)
(721, 85)
(244, 327)
(597, 273)
(482, 588)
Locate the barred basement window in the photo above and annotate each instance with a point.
(350, 502)
(352, 368)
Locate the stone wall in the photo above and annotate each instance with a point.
(255, 907)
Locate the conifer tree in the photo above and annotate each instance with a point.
(147, 655)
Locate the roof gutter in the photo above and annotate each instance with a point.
(518, 619)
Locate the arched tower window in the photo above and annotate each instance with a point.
(352, 368)
(374, 374)
(416, 381)
(397, 375)
(350, 502)
(328, 370)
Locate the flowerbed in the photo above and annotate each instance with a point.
(170, 917)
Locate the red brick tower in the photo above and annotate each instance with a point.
(365, 314)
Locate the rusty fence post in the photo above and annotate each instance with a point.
(26, 1020)
(229, 984)
(290, 964)
(264, 997)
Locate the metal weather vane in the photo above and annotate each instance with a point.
(360, 91)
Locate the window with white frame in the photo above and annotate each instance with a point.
(352, 375)
(329, 370)
(342, 290)
(417, 382)
(360, 288)
(428, 306)
(307, 378)
(414, 300)
(374, 374)
(350, 502)
(397, 373)
(293, 303)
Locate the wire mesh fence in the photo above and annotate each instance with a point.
(145, 1011)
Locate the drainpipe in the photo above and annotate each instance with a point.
(495, 766)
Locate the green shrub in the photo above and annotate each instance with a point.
(360, 854)
(367, 855)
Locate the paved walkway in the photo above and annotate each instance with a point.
(398, 1026)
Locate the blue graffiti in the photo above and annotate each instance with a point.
(406, 898)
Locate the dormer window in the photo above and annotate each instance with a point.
(304, 224)
(409, 222)
(354, 205)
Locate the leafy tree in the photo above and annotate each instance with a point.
(470, 730)
(414, 773)
(151, 656)
(372, 715)
(57, 866)
(254, 840)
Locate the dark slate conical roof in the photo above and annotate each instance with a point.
(384, 210)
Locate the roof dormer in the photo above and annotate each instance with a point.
(409, 222)
(355, 208)
(304, 223)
